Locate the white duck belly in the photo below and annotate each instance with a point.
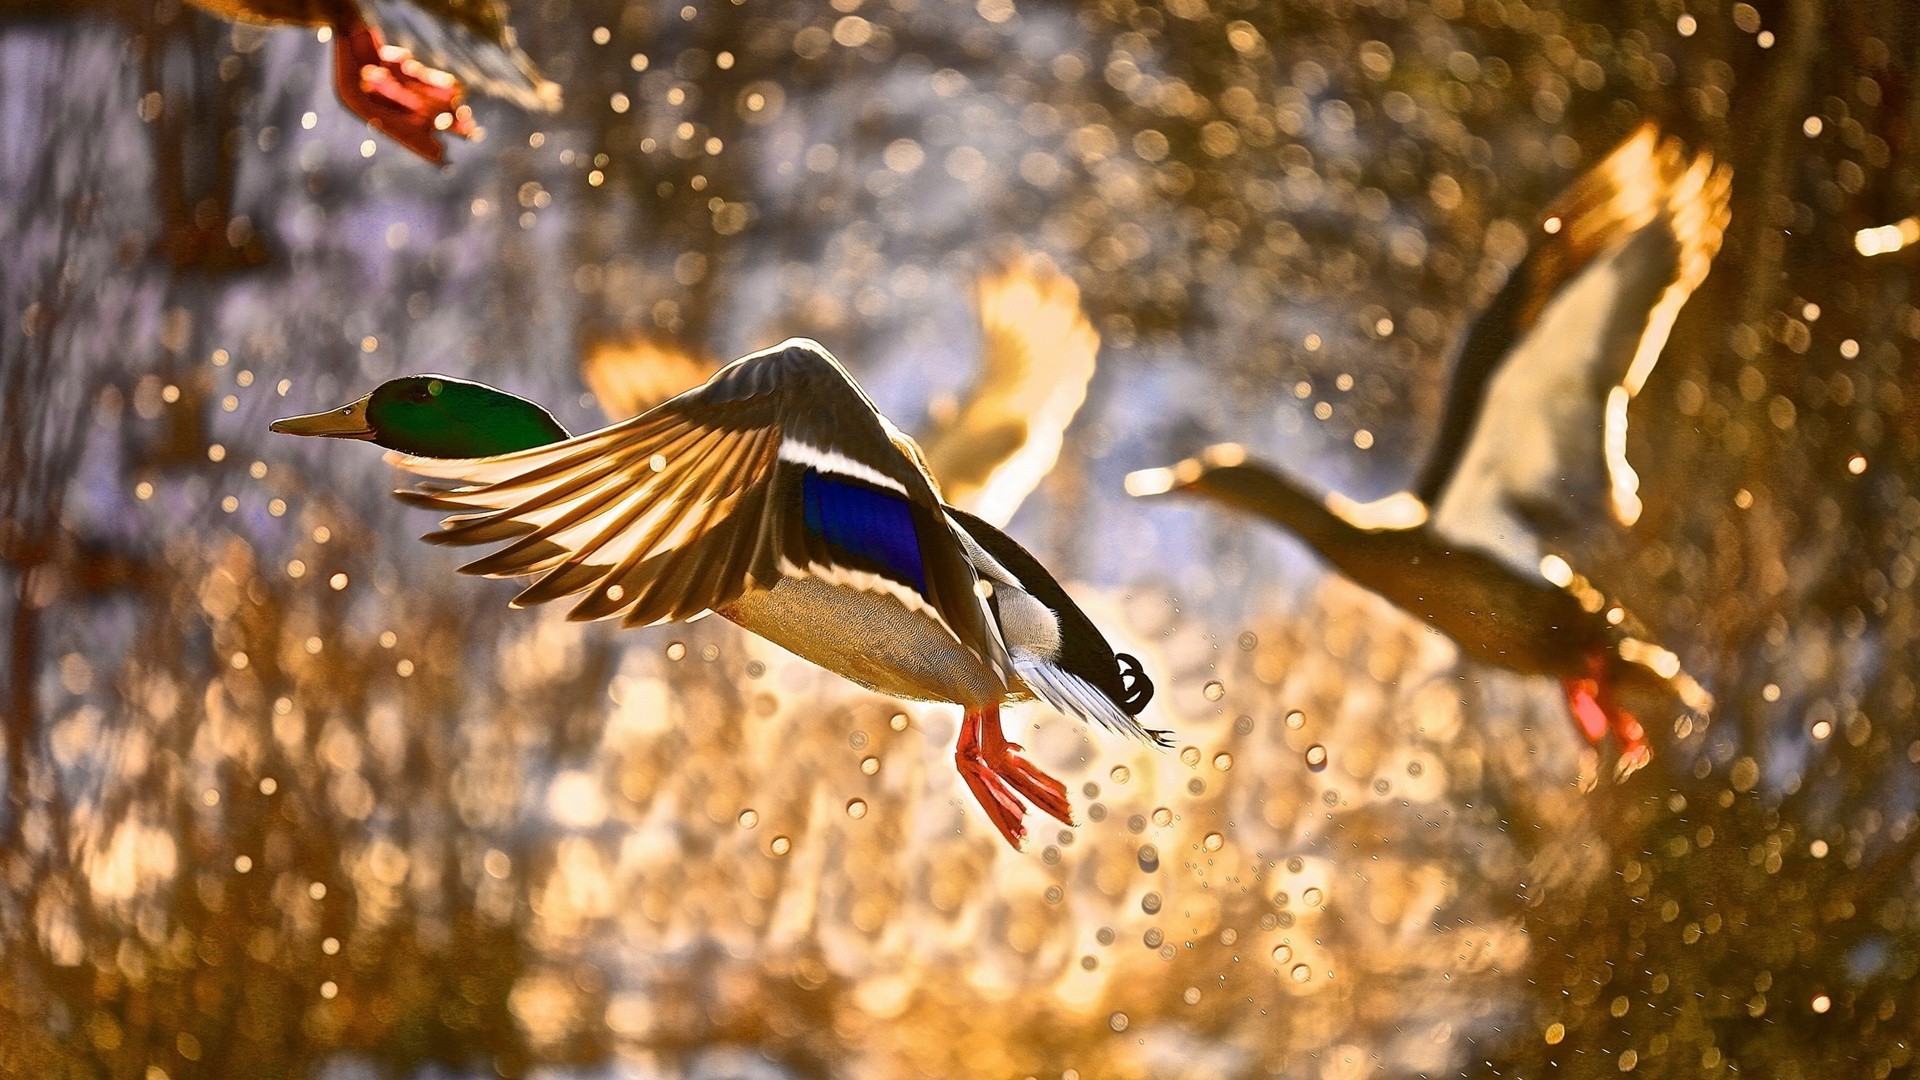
(870, 639)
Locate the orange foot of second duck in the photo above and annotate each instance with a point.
(1000, 779)
(1597, 712)
(402, 98)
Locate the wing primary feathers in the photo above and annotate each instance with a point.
(653, 587)
(614, 486)
(680, 519)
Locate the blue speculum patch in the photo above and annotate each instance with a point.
(873, 526)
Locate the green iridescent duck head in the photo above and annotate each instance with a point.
(435, 416)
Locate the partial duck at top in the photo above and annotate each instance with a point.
(777, 496)
(1531, 452)
(404, 65)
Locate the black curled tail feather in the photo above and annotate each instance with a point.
(1137, 689)
(1136, 692)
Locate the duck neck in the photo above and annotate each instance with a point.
(1277, 497)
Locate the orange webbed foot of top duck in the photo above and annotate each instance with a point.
(1001, 779)
(1597, 712)
(402, 98)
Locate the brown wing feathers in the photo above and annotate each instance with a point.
(599, 516)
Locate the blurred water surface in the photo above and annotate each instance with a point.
(286, 797)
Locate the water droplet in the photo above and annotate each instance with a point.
(1190, 755)
(749, 818)
(1104, 935)
(1149, 857)
(857, 740)
(1118, 1021)
(898, 722)
(1120, 774)
(780, 845)
(1223, 762)
(676, 650)
(1214, 690)
(1090, 789)
(755, 669)
(1312, 897)
(1414, 768)
(1191, 995)
(1150, 903)
(1316, 757)
(1054, 894)
(1381, 786)
(1088, 963)
(1248, 641)
(1296, 719)
(856, 808)
(1229, 936)
(1282, 953)
(869, 765)
(1162, 816)
(709, 653)
(1152, 938)
(1296, 864)
(1212, 842)
(1243, 725)
(1301, 973)
(1555, 1032)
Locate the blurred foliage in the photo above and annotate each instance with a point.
(286, 797)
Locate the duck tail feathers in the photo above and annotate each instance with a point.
(1075, 696)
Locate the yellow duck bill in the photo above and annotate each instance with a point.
(346, 422)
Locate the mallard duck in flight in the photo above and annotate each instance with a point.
(777, 496)
(403, 65)
(1531, 447)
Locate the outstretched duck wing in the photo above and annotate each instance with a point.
(1534, 437)
(1037, 358)
(777, 467)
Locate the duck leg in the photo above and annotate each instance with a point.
(401, 97)
(1000, 778)
(1597, 710)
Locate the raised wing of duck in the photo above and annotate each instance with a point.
(1037, 360)
(1533, 440)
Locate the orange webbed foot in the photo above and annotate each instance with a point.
(1046, 794)
(1003, 808)
(1595, 710)
(402, 98)
(1001, 779)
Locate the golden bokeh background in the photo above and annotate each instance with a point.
(287, 797)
